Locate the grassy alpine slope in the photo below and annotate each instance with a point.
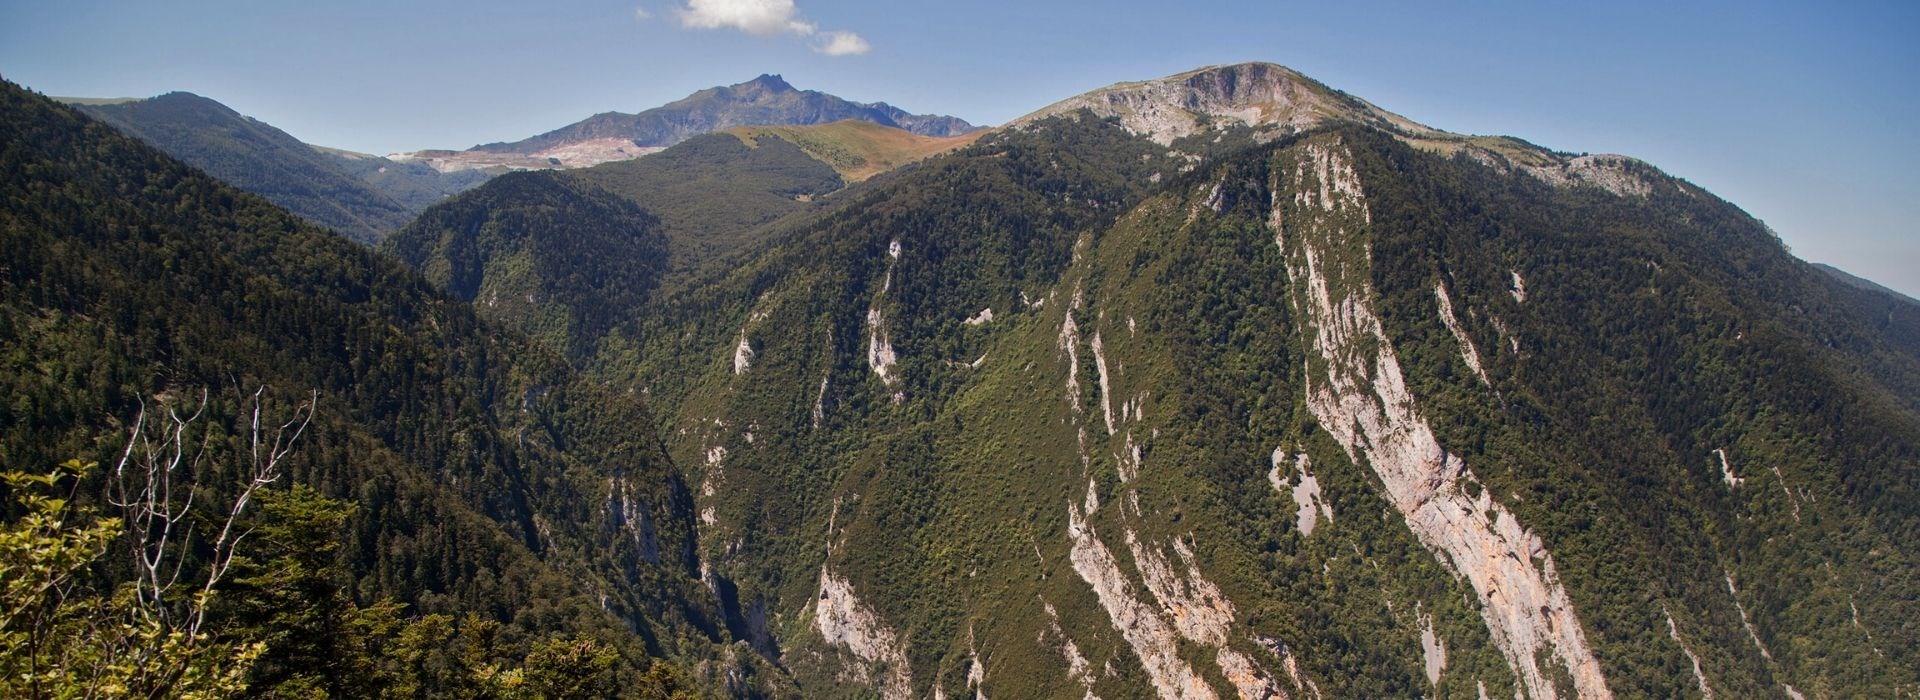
(857, 149)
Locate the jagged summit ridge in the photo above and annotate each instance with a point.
(772, 80)
(1259, 95)
(1276, 101)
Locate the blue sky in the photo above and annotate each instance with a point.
(1802, 113)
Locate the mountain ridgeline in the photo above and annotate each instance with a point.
(767, 99)
(366, 197)
(360, 196)
(525, 238)
(1225, 384)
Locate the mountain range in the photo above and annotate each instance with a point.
(768, 99)
(1223, 384)
(764, 101)
(366, 196)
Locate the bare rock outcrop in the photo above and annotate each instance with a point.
(845, 622)
(1260, 95)
(1356, 390)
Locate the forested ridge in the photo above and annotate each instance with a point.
(261, 159)
(461, 471)
(541, 253)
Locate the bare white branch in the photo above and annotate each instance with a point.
(157, 510)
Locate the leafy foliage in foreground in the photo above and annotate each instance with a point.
(286, 626)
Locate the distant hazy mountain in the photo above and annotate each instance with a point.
(414, 185)
(362, 196)
(259, 158)
(1863, 283)
(766, 100)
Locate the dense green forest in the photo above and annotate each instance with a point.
(261, 159)
(461, 482)
(542, 253)
(715, 193)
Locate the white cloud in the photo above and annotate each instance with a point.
(843, 44)
(768, 18)
(641, 13)
(759, 17)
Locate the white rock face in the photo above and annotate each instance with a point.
(1201, 613)
(1189, 607)
(880, 355)
(1726, 471)
(1360, 397)
(1467, 351)
(1106, 387)
(1308, 506)
(1788, 490)
(715, 456)
(742, 355)
(579, 154)
(1337, 184)
(1506, 333)
(1608, 172)
(1519, 290)
(1070, 344)
(976, 671)
(1078, 669)
(845, 622)
(820, 400)
(1752, 633)
(1287, 661)
(1699, 674)
(1150, 635)
(633, 517)
(980, 319)
(1433, 650)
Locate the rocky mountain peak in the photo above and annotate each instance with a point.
(1259, 95)
(770, 83)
